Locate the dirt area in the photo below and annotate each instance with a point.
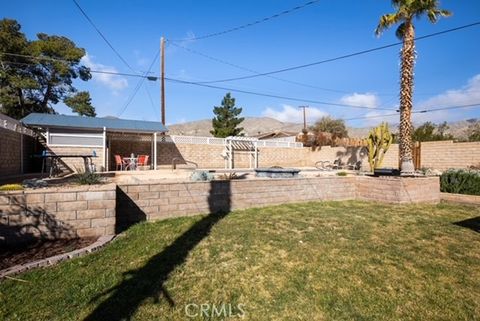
(10, 256)
(178, 175)
(132, 177)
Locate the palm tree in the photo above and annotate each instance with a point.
(406, 10)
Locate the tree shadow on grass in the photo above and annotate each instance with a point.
(148, 281)
(471, 223)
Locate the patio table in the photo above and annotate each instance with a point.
(131, 162)
(54, 162)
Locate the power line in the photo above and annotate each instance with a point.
(145, 76)
(274, 77)
(253, 71)
(102, 35)
(151, 101)
(416, 111)
(67, 61)
(276, 71)
(129, 99)
(139, 84)
(358, 53)
(250, 24)
(116, 73)
(36, 57)
(273, 95)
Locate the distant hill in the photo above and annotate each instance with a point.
(260, 125)
(252, 126)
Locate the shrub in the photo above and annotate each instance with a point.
(11, 187)
(87, 178)
(342, 174)
(228, 176)
(460, 181)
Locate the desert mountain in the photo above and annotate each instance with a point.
(260, 125)
(252, 126)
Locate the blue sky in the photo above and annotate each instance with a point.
(447, 71)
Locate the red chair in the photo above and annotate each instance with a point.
(143, 160)
(119, 163)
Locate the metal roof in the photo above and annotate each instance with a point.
(82, 122)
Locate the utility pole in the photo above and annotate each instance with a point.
(162, 80)
(304, 118)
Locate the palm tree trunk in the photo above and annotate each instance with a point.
(406, 97)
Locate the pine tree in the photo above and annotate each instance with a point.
(226, 118)
(37, 84)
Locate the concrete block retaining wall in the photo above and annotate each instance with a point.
(108, 209)
(460, 198)
(159, 201)
(52, 213)
(398, 190)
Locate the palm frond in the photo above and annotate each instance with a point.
(445, 13)
(386, 21)
(406, 10)
(432, 16)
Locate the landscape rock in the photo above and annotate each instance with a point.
(34, 183)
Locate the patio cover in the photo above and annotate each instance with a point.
(82, 122)
(112, 125)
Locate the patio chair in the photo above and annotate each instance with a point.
(119, 163)
(325, 165)
(143, 160)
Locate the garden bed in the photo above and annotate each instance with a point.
(15, 255)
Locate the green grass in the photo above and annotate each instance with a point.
(312, 261)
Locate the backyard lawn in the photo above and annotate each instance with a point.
(310, 261)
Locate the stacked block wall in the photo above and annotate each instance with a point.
(10, 152)
(53, 213)
(447, 154)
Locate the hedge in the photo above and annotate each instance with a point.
(460, 181)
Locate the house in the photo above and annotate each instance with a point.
(282, 136)
(102, 137)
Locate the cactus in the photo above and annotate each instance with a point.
(378, 142)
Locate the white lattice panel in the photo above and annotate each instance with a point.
(216, 141)
(238, 142)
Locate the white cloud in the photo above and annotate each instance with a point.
(368, 100)
(468, 94)
(113, 82)
(293, 114)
